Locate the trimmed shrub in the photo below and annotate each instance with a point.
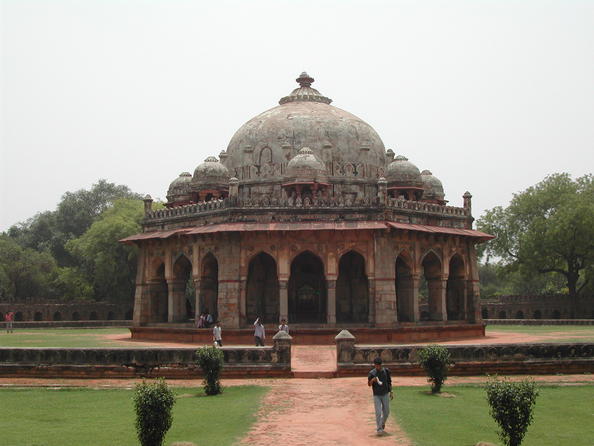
(210, 360)
(435, 359)
(512, 404)
(153, 403)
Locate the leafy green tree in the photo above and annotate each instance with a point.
(435, 360)
(153, 403)
(512, 406)
(24, 272)
(547, 229)
(108, 265)
(210, 360)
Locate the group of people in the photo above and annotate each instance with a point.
(205, 320)
(259, 332)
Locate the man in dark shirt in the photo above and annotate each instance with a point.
(380, 381)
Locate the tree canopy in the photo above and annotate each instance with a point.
(73, 252)
(547, 229)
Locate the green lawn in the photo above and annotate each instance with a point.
(64, 337)
(564, 415)
(552, 333)
(63, 417)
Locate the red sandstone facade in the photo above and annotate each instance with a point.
(307, 217)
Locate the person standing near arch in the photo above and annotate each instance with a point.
(259, 333)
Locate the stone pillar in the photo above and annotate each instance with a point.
(148, 204)
(371, 317)
(473, 312)
(385, 281)
(437, 298)
(176, 308)
(198, 300)
(282, 345)
(283, 299)
(142, 302)
(415, 281)
(243, 302)
(345, 345)
(331, 308)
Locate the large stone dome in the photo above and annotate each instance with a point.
(347, 145)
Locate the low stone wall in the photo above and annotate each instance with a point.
(539, 321)
(429, 332)
(240, 362)
(69, 324)
(46, 310)
(468, 359)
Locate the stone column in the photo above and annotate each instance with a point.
(283, 299)
(176, 300)
(331, 308)
(282, 345)
(243, 302)
(371, 317)
(345, 345)
(473, 312)
(198, 300)
(415, 281)
(142, 301)
(437, 298)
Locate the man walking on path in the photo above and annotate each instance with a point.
(216, 334)
(9, 318)
(259, 333)
(380, 381)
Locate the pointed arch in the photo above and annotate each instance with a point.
(405, 292)
(456, 289)
(307, 289)
(352, 289)
(183, 294)
(209, 284)
(262, 291)
(158, 295)
(432, 272)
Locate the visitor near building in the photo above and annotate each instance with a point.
(9, 318)
(201, 322)
(217, 334)
(380, 381)
(283, 326)
(259, 333)
(208, 319)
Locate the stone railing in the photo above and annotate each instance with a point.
(427, 207)
(126, 362)
(539, 321)
(291, 203)
(469, 359)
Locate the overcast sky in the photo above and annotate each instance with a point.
(491, 96)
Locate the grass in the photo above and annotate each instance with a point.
(551, 333)
(64, 337)
(564, 415)
(92, 417)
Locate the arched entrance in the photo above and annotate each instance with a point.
(209, 285)
(159, 309)
(352, 289)
(404, 289)
(456, 290)
(262, 292)
(432, 273)
(182, 292)
(307, 289)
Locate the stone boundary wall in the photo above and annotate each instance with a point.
(40, 310)
(539, 321)
(476, 359)
(69, 324)
(239, 362)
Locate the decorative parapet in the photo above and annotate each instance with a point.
(266, 202)
(473, 359)
(124, 362)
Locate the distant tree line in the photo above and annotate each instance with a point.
(545, 241)
(73, 252)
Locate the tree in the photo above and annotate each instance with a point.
(108, 265)
(24, 272)
(435, 359)
(210, 360)
(153, 403)
(512, 405)
(547, 229)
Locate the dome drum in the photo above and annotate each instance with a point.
(180, 190)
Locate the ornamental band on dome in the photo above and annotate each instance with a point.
(307, 217)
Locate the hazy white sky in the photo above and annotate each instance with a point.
(490, 95)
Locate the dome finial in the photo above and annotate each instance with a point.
(305, 80)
